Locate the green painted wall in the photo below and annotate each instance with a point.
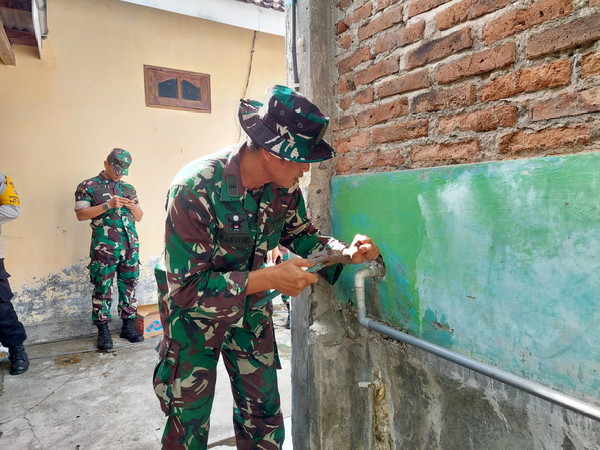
(498, 261)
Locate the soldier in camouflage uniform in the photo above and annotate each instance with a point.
(224, 213)
(113, 208)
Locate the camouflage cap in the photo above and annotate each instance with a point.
(286, 124)
(120, 160)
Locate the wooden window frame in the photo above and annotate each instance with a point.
(154, 75)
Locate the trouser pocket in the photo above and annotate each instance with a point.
(5, 292)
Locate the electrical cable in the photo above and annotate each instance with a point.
(250, 66)
(294, 55)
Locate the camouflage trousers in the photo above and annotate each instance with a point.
(108, 258)
(184, 381)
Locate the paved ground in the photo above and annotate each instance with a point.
(75, 397)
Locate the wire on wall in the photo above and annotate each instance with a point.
(294, 55)
(250, 65)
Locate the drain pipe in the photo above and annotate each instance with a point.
(378, 271)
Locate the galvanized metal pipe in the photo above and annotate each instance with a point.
(531, 387)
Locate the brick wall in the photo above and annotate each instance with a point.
(437, 82)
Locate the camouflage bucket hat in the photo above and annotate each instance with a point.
(120, 160)
(287, 124)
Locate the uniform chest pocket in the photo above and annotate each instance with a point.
(234, 238)
(129, 193)
(101, 195)
(273, 228)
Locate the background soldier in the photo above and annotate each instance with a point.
(113, 208)
(12, 332)
(224, 213)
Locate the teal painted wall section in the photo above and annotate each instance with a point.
(498, 261)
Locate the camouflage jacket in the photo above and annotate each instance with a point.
(216, 233)
(113, 222)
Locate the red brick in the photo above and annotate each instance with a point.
(385, 20)
(345, 41)
(570, 104)
(363, 161)
(477, 63)
(358, 140)
(557, 73)
(358, 15)
(382, 113)
(548, 141)
(344, 4)
(349, 63)
(401, 131)
(365, 96)
(417, 79)
(343, 164)
(384, 67)
(590, 64)
(482, 120)
(452, 152)
(382, 4)
(467, 10)
(443, 99)
(400, 38)
(439, 48)
(392, 158)
(343, 123)
(345, 102)
(420, 6)
(346, 85)
(341, 27)
(523, 19)
(579, 32)
(366, 160)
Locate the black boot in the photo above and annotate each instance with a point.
(104, 337)
(19, 362)
(127, 332)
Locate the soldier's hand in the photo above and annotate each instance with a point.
(362, 249)
(273, 255)
(290, 278)
(120, 202)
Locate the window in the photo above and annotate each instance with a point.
(177, 89)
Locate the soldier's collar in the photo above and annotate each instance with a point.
(231, 186)
(105, 178)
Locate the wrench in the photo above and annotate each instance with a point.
(323, 258)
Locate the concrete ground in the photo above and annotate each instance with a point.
(75, 397)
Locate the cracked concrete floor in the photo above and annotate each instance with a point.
(75, 397)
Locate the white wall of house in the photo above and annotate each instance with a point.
(62, 114)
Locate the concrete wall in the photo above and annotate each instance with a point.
(62, 114)
(422, 84)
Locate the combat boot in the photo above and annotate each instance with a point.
(104, 337)
(19, 362)
(127, 332)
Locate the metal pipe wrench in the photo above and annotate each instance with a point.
(323, 258)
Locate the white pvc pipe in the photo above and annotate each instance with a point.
(531, 387)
